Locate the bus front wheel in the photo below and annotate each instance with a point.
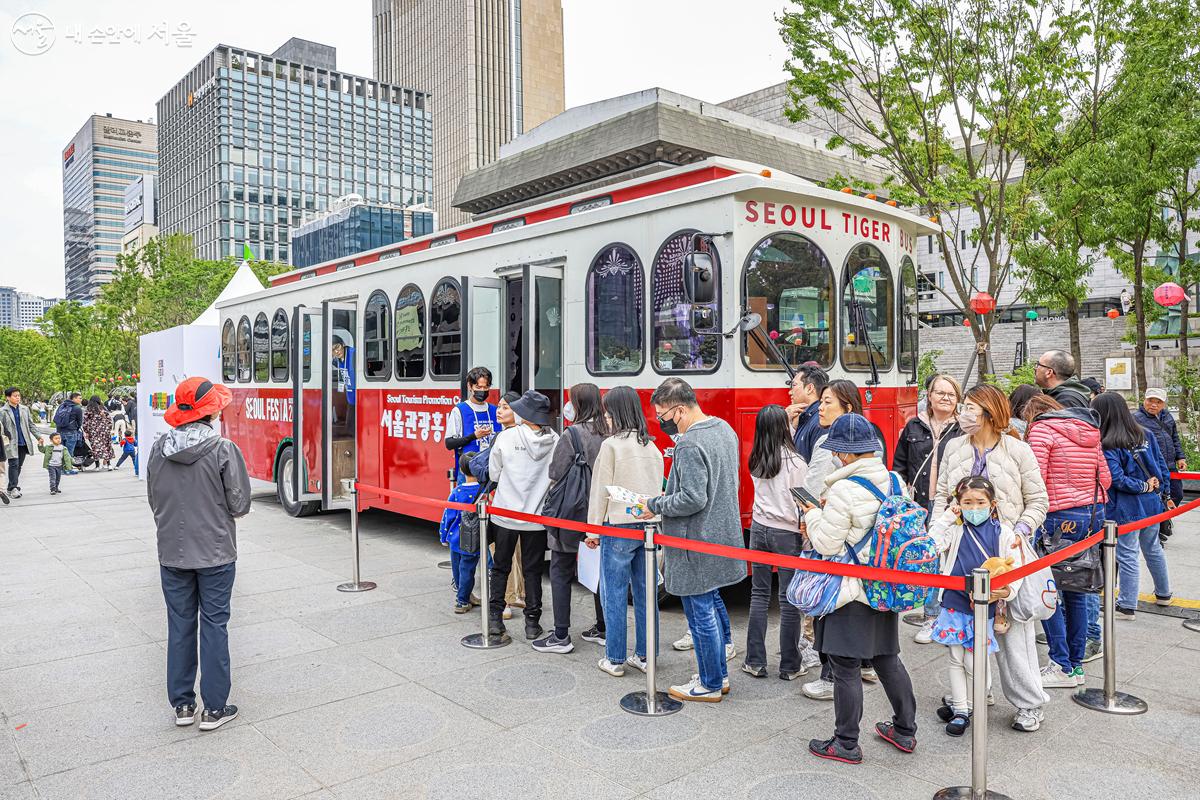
(285, 487)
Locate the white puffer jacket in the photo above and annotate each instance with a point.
(848, 515)
(1011, 467)
(947, 530)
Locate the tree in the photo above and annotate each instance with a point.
(83, 344)
(27, 362)
(948, 95)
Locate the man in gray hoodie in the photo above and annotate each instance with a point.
(700, 503)
(197, 486)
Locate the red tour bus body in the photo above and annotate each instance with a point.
(587, 288)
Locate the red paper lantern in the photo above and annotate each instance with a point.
(983, 303)
(966, 323)
(1169, 294)
(1112, 313)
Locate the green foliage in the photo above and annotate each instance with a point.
(1183, 375)
(27, 362)
(927, 366)
(1011, 380)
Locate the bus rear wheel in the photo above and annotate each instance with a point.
(285, 487)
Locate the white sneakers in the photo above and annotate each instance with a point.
(1053, 677)
(1027, 720)
(637, 662)
(695, 691)
(924, 634)
(818, 690)
(730, 652)
(616, 670)
(685, 643)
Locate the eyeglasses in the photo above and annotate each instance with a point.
(944, 395)
(1043, 366)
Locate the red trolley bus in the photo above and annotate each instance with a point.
(604, 286)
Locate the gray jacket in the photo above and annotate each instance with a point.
(8, 429)
(197, 485)
(701, 503)
(560, 539)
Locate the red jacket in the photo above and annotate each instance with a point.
(1067, 447)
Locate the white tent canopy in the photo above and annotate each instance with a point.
(243, 282)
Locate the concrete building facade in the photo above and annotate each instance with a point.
(354, 226)
(98, 163)
(253, 142)
(22, 310)
(493, 67)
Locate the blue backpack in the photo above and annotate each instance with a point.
(899, 541)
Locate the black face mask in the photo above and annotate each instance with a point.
(480, 395)
(668, 426)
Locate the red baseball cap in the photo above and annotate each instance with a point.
(195, 399)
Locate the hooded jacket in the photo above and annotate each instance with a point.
(1163, 428)
(519, 463)
(197, 486)
(1131, 497)
(1072, 394)
(1066, 445)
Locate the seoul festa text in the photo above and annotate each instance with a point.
(269, 409)
(401, 423)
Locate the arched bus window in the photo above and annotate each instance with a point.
(867, 280)
(243, 350)
(677, 347)
(280, 352)
(789, 282)
(908, 316)
(377, 337)
(615, 285)
(410, 333)
(445, 330)
(262, 348)
(228, 353)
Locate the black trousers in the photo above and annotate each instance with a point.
(848, 696)
(533, 559)
(563, 567)
(14, 467)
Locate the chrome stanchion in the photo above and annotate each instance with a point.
(355, 585)
(1192, 624)
(651, 703)
(981, 592)
(1108, 699)
(484, 641)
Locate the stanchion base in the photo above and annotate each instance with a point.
(444, 565)
(476, 641)
(1122, 703)
(635, 703)
(965, 793)
(914, 618)
(1192, 624)
(361, 586)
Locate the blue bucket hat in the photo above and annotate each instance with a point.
(852, 434)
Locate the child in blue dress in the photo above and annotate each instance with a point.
(463, 558)
(968, 534)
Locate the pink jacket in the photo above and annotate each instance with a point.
(1066, 445)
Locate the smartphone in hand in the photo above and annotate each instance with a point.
(804, 497)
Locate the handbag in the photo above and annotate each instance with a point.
(1037, 597)
(1081, 572)
(568, 498)
(816, 593)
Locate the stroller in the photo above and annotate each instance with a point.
(83, 455)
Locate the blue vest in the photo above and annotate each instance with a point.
(470, 418)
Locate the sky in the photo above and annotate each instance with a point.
(709, 49)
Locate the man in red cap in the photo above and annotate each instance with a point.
(197, 485)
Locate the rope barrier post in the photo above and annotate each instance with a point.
(981, 592)
(484, 641)
(355, 585)
(1108, 699)
(651, 703)
(1192, 625)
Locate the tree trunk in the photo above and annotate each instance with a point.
(1139, 309)
(1185, 394)
(1073, 323)
(982, 346)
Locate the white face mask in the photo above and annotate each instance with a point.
(569, 412)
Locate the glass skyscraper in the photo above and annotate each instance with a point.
(354, 229)
(250, 143)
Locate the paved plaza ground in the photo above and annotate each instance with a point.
(371, 696)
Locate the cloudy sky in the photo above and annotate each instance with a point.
(696, 47)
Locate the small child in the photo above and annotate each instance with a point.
(460, 530)
(56, 461)
(128, 450)
(970, 535)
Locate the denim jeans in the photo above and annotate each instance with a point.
(723, 619)
(1128, 571)
(198, 599)
(784, 542)
(55, 477)
(703, 612)
(1093, 617)
(464, 574)
(1066, 630)
(623, 569)
(70, 439)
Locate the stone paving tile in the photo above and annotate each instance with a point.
(232, 764)
(304, 600)
(491, 769)
(372, 621)
(27, 644)
(32, 589)
(275, 580)
(27, 689)
(350, 738)
(426, 580)
(53, 611)
(19, 791)
(430, 652)
(269, 641)
(11, 770)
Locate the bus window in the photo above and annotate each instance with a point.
(908, 314)
(279, 346)
(615, 285)
(228, 353)
(867, 280)
(410, 333)
(445, 329)
(262, 348)
(243, 350)
(677, 347)
(377, 337)
(789, 282)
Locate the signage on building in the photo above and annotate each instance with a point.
(116, 133)
(68, 155)
(199, 93)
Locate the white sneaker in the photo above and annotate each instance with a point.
(725, 685)
(616, 670)
(637, 662)
(1027, 720)
(1053, 677)
(818, 690)
(730, 652)
(809, 660)
(695, 691)
(924, 635)
(684, 643)
(870, 675)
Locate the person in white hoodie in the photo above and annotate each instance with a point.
(520, 467)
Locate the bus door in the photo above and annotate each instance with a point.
(483, 320)
(542, 356)
(308, 410)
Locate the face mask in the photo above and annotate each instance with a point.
(976, 516)
(668, 426)
(970, 423)
(569, 412)
(480, 395)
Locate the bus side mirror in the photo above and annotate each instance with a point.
(699, 278)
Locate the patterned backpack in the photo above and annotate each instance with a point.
(899, 541)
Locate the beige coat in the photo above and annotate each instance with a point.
(1013, 470)
(623, 462)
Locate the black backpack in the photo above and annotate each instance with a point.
(62, 417)
(568, 499)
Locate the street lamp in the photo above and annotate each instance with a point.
(1023, 356)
